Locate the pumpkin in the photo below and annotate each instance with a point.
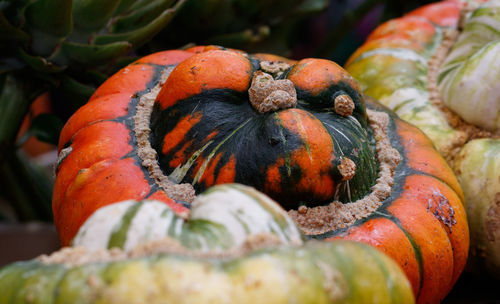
(177, 122)
(441, 73)
(229, 257)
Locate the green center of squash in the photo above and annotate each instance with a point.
(311, 153)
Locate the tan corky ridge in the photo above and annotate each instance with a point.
(76, 256)
(336, 215)
(147, 154)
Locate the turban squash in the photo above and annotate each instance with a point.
(438, 68)
(177, 122)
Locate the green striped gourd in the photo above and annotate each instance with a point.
(221, 218)
(443, 75)
(469, 78)
(205, 260)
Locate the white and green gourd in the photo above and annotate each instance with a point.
(469, 83)
(221, 218)
(450, 88)
(210, 265)
(469, 79)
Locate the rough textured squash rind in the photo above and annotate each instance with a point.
(422, 90)
(220, 219)
(339, 272)
(425, 203)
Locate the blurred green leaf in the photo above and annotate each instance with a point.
(51, 16)
(39, 63)
(14, 11)
(124, 7)
(75, 88)
(50, 21)
(46, 127)
(75, 92)
(13, 107)
(92, 15)
(92, 55)
(139, 17)
(140, 36)
(28, 187)
(11, 33)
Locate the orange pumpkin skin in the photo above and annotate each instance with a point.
(100, 158)
(203, 125)
(422, 224)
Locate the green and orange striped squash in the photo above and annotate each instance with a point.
(438, 68)
(184, 116)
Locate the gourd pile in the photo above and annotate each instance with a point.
(176, 123)
(150, 194)
(439, 68)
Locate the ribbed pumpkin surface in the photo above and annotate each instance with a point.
(202, 126)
